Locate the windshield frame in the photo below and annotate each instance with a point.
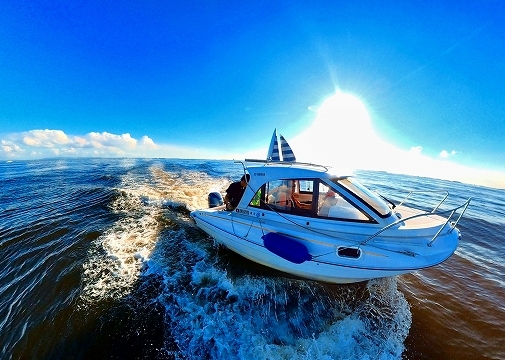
(367, 196)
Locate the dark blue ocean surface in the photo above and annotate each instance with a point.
(100, 259)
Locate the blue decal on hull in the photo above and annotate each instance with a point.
(286, 247)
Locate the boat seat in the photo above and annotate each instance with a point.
(298, 204)
(281, 200)
(344, 212)
(326, 204)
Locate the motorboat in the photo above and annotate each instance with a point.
(312, 222)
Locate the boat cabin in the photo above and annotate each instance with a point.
(311, 191)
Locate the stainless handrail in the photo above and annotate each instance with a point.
(426, 191)
(453, 226)
(270, 162)
(452, 211)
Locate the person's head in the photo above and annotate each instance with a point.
(245, 179)
(330, 193)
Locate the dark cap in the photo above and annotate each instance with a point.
(245, 178)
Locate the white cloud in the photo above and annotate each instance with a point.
(50, 143)
(147, 142)
(47, 143)
(10, 148)
(445, 154)
(344, 152)
(106, 139)
(45, 138)
(79, 141)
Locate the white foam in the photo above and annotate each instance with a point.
(189, 188)
(118, 256)
(276, 318)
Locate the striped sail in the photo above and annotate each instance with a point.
(273, 150)
(287, 153)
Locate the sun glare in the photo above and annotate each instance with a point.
(341, 134)
(343, 111)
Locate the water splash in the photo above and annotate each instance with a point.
(116, 258)
(213, 310)
(188, 189)
(214, 315)
(146, 206)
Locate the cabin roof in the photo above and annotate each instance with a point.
(284, 170)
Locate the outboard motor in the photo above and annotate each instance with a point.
(215, 199)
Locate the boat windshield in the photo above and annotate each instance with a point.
(369, 197)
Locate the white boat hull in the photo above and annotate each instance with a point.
(388, 255)
(306, 220)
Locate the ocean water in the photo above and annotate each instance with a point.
(100, 259)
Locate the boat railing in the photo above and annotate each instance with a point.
(427, 192)
(268, 162)
(452, 211)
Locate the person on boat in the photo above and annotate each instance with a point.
(295, 197)
(328, 201)
(235, 191)
(280, 194)
(298, 204)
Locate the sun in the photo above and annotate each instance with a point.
(344, 112)
(341, 133)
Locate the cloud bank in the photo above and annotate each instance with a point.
(35, 144)
(48, 143)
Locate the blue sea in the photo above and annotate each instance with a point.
(99, 259)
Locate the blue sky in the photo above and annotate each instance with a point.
(206, 79)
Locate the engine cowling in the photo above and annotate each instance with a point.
(215, 199)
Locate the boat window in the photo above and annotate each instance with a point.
(256, 200)
(331, 204)
(291, 195)
(368, 196)
(306, 186)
